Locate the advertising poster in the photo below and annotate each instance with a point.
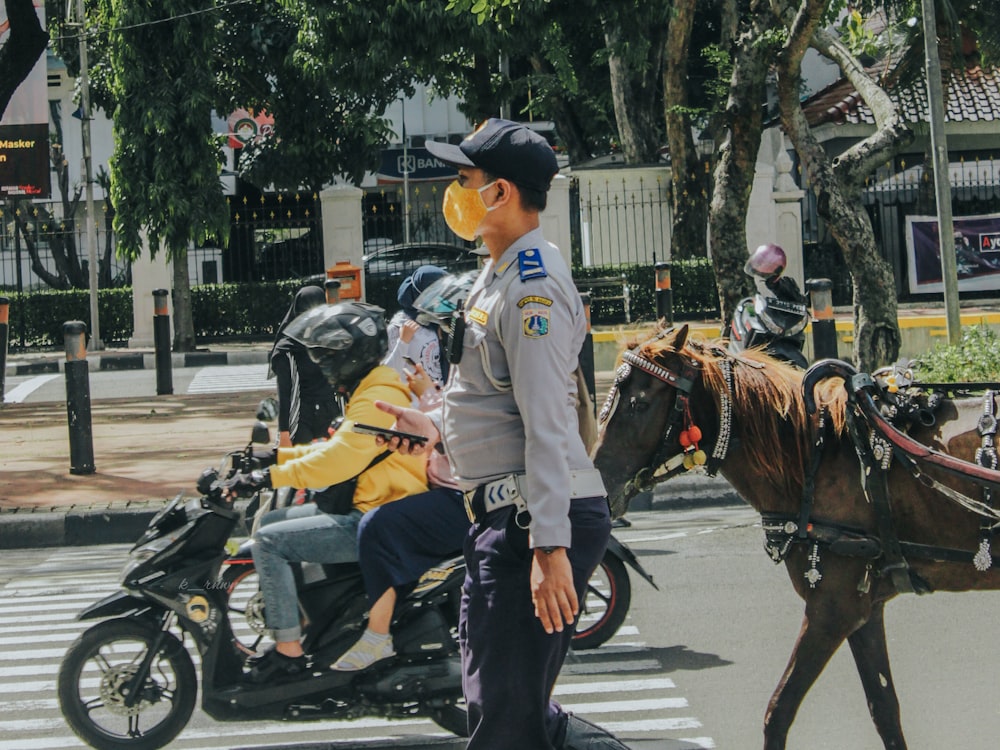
(24, 127)
(975, 242)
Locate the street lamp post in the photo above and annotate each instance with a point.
(95, 327)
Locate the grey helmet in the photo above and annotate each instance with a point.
(346, 340)
(440, 300)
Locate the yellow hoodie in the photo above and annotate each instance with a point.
(332, 461)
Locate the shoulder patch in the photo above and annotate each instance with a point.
(530, 264)
(535, 322)
(533, 299)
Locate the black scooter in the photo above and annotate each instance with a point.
(774, 319)
(129, 681)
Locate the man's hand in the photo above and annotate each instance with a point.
(552, 590)
(412, 421)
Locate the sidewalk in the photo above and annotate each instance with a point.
(147, 450)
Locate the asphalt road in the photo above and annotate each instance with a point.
(693, 667)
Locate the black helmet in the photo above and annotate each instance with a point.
(346, 340)
(437, 302)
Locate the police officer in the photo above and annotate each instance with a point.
(509, 428)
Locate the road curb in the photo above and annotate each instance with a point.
(54, 528)
(141, 361)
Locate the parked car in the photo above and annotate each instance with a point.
(386, 267)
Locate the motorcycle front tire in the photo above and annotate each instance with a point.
(112, 649)
(608, 598)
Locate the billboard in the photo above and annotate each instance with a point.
(24, 127)
(975, 242)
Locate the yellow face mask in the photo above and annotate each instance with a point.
(464, 209)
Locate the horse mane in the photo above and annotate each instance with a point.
(767, 402)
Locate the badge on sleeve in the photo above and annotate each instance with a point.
(534, 315)
(529, 263)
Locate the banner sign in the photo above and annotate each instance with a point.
(24, 129)
(246, 126)
(976, 244)
(417, 164)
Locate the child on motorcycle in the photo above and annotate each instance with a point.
(398, 542)
(347, 341)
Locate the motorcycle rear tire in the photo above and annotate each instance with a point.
(615, 598)
(92, 643)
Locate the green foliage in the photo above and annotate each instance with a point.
(976, 358)
(37, 318)
(165, 168)
(692, 281)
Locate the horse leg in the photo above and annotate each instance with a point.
(872, 659)
(813, 649)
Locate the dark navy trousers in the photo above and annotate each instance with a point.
(510, 663)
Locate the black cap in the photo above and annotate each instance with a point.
(504, 149)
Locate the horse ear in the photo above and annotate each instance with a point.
(679, 338)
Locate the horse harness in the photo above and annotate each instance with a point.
(664, 466)
(876, 451)
(877, 441)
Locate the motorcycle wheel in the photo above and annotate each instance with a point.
(609, 595)
(452, 717)
(245, 605)
(96, 668)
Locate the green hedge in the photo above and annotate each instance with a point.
(252, 310)
(36, 319)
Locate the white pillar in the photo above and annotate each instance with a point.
(555, 218)
(147, 275)
(343, 236)
(788, 218)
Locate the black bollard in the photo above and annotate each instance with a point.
(4, 319)
(81, 436)
(664, 294)
(332, 287)
(823, 324)
(161, 343)
(587, 355)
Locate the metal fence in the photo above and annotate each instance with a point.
(272, 236)
(624, 218)
(41, 249)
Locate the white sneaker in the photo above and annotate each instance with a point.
(370, 648)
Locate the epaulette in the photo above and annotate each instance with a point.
(530, 264)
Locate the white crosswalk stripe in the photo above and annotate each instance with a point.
(621, 685)
(231, 378)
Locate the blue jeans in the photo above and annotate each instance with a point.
(299, 533)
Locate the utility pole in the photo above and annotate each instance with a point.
(95, 328)
(406, 176)
(942, 185)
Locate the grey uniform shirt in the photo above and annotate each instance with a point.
(509, 407)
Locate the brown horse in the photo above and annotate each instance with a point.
(757, 431)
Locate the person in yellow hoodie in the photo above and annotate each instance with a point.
(347, 341)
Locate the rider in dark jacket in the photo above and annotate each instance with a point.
(306, 402)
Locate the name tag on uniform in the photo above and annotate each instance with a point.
(478, 315)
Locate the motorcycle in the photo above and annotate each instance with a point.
(130, 682)
(775, 322)
(602, 613)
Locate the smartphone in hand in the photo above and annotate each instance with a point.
(387, 434)
(410, 361)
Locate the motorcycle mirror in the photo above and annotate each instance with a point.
(261, 433)
(267, 409)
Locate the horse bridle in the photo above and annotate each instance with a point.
(663, 465)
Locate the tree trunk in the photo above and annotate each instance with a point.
(633, 93)
(181, 296)
(565, 118)
(25, 44)
(876, 338)
(689, 179)
(737, 160)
